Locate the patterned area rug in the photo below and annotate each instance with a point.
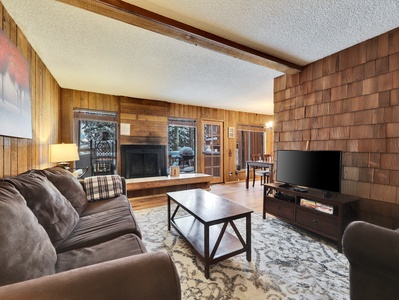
(287, 263)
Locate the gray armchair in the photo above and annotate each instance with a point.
(373, 254)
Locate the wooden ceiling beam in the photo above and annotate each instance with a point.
(137, 16)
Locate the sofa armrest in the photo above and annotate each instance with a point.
(373, 246)
(124, 186)
(144, 276)
(124, 191)
(373, 254)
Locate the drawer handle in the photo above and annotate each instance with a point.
(314, 222)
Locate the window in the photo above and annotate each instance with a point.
(96, 137)
(250, 140)
(182, 144)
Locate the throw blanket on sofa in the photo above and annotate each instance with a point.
(103, 187)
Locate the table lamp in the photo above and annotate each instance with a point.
(63, 154)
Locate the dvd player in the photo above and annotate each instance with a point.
(282, 196)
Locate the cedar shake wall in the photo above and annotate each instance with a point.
(349, 101)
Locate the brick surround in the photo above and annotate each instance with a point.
(349, 101)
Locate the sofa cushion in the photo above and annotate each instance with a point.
(26, 249)
(103, 187)
(53, 211)
(95, 207)
(121, 203)
(123, 246)
(100, 227)
(68, 185)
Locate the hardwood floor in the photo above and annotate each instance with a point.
(251, 197)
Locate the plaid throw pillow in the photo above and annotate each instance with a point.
(103, 187)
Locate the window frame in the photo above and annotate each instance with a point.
(184, 122)
(245, 155)
(79, 115)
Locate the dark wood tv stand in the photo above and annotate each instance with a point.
(342, 209)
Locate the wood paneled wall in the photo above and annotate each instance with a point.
(16, 154)
(71, 99)
(349, 101)
(149, 122)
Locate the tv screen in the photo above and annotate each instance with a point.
(313, 169)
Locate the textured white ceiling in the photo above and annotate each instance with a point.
(299, 31)
(85, 51)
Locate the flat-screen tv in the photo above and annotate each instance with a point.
(312, 169)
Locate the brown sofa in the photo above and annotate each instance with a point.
(55, 244)
(373, 254)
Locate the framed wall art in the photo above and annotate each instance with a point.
(15, 98)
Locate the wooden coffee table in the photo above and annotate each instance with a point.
(203, 210)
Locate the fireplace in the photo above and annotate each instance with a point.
(143, 161)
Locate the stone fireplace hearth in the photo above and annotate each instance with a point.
(143, 161)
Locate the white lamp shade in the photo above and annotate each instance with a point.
(63, 152)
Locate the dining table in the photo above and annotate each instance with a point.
(258, 164)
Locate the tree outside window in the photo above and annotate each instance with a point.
(91, 129)
(182, 146)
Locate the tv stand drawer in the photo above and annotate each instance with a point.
(318, 221)
(280, 208)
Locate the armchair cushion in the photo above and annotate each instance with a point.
(26, 249)
(103, 187)
(68, 185)
(53, 211)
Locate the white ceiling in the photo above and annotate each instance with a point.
(90, 52)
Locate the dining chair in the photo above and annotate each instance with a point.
(264, 173)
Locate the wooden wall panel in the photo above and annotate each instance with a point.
(148, 121)
(348, 101)
(67, 103)
(18, 155)
(71, 99)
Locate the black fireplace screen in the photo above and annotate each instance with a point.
(143, 161)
